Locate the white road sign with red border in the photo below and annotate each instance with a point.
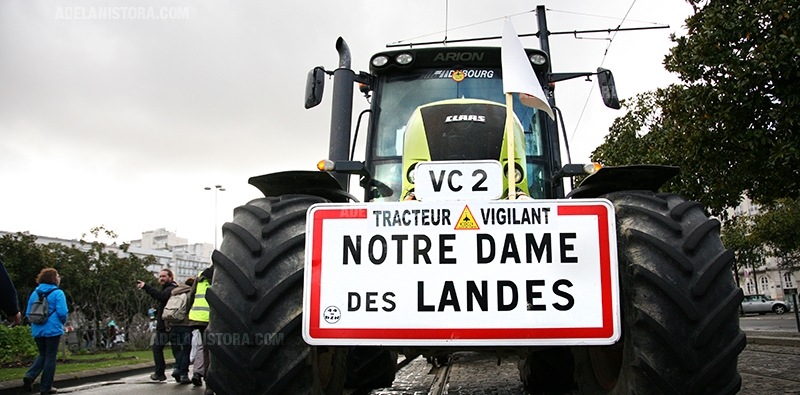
(534, 272)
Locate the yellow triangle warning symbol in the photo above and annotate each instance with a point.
(466, 220)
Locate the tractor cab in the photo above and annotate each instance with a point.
(448, 104)
(428, 97)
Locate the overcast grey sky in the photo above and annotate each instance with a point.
(122, 121)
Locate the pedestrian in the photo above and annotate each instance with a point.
(48, 335)
(198, 319)
(181, 334)
(8, 297)
(161, 337)
(87, 338)
(112, 334)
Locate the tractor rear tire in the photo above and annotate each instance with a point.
(254, 332)
(369, 368)
(680, 322)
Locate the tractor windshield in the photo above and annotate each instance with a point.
(400, 95)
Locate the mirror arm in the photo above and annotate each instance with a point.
(556, 77)
(363, 78)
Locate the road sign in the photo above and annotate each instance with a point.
(535, 272)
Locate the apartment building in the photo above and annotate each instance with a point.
(768, 279)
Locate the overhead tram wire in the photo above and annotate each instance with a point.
(446, 18)
(406, 42)
(591, 89)
(604, 16)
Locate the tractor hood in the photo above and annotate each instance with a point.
(459, 129)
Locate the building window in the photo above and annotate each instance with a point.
(763, 283)
(751, 288)
(788, 280)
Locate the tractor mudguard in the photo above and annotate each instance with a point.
(621, 178)
(313, 183)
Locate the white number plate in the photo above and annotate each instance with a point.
(458, 180)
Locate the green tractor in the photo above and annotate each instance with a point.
(668, 303)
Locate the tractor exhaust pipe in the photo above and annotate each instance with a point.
(341, 110)
(344, 53)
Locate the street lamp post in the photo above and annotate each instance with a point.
(217, 188)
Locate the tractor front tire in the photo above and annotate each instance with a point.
(680, 323)
(548, 370)
(254, 332)
(369, 368)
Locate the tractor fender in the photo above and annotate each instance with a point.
(622, 178)
(314, 183)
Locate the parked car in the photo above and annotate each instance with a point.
(763, 304)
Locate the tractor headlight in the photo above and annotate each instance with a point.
(591, 168)
(412, 173)
(325, 165)
(404, 58)
(517, 175)
(538, 59)
(380, 60)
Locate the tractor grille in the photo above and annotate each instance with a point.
(464, 131)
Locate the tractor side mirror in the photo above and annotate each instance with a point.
(315, 85)
(607, 88)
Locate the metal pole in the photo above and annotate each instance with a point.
(215, 216)
(544, 39)
(796, 313)
(556, 186)
(217, 188)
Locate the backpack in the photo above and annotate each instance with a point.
(40, 310)
(177, 308)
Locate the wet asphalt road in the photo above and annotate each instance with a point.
(765, 369)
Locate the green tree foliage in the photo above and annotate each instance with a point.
(731, 125)
(100, 283)
(23, 259)
(778, 228)
(17, 345)
(748, 249)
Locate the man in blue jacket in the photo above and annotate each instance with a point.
(48, 335)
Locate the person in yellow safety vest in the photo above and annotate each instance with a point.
(198, 319)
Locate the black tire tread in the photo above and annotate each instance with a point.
(257, 290)
(260, 213)
(282, 248)
(263, 304)
(674, 254)
(242, 280)
(664, 220)
(710, 271)
(680, 321)
(281, 222)
(699, 233)
(248, 239)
